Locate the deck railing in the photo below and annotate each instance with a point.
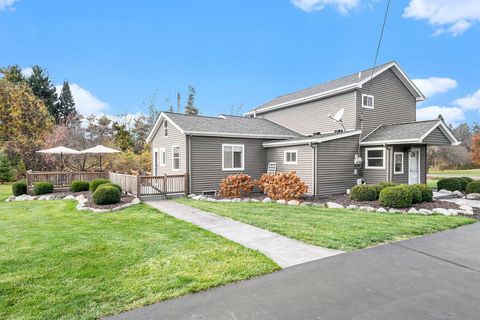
(62, 179)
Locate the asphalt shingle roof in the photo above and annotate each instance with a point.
(412, 130)
(323, 87)
(228, 124)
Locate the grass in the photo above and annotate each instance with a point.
(333, 228)
(59, 263)
(460, 173)
(432, 183)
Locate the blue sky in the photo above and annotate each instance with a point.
(117, 54)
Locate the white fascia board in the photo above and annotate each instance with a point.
(310, 140)
(446, 130)
(237, 135)
(385, 142)
(305, 99)
(158, 123)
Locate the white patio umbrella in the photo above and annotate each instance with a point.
(100, 150)
(61, 150)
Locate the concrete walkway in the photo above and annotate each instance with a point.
(459, 201)
(284, 251)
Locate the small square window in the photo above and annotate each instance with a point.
(368, 101)
(290, 157)
(375, 158)
(233, 157)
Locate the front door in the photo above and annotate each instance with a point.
(414, 166)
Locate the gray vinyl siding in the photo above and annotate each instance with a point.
(304, 166)
(311, 117)
(394, 103)
(437, 137)
(335, 168)
(175, 137)
(374, 176)
(206, 161)
(423, 164)
(399, 178)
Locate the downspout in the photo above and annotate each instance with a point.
(314, 168)
(189, 164)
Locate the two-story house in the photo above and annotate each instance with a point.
(378, 138)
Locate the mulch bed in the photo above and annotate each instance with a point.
(87, 194)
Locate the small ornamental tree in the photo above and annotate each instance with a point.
(236, 185)
(6, 169)
(286, 186)
(476, 149)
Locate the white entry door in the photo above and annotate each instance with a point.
(414, 166)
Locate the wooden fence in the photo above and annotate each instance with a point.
(62, 179)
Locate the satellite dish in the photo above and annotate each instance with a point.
(338, 117)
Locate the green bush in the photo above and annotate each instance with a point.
(96, 183)
(364, 192)
(19, 188)
(468, 179)
(473, 187)
(106, 195)
(387, 184)
(464, 181)
(416, 193)
(79, 186)
(396, 197)
(451, 184)
(427, 193)
(40, 188)
(110, 184)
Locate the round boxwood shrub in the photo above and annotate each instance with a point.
(396, 197)
(468, 179)
(427, 193)
(473, 187)
(79, 186)
(96, 183)
(416, 193)
(451, 184)
(387, 184)
(106, 195)
(19, 188)
(364, 192)
(110, 184)
(40, 188)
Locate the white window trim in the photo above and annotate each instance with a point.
(173, 159)
(394, 164)
(223, 156)
(285, 157)
(155, 159)
(160, 151)
(373, 101)
(366, 159)
(165, 129)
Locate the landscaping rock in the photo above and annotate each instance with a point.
(41, 198)
(442, 211)
(473, 196)
(392, 210)
(466, 208)
(136, 201)
(412, 211)
(352, 207)
(457, 193)
(69, 197)
(225, 200)
(382, 210)
(236, 200)
(425, 211)
(319, 204)
(211, 200)
(191, 195)
(453, 212)
(334, 205)
(306, 203)
(281, 201)
(266, 200)
(293, 203)
(10, 199)
(247, 200)
(467, 213)
(367, 209)
(445, 191)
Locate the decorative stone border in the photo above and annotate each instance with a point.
(466, 210)
(81, 205)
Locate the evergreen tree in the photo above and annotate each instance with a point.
(190, 107)
(123, 138)
(178, 103)
(13, 74)
(66, 104)
(43, 88)
(6, 169)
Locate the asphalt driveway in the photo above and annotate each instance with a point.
(433, 277)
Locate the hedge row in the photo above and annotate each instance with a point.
(454, 184)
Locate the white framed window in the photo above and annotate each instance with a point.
(374, 158)
(165, 128)
(368, 101)
(290, 156)
(155, 162)
(163, 157)
(398, 162)
(175, 158)
(233, 157)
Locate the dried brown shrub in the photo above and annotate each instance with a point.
(285, 185)
(236, 185)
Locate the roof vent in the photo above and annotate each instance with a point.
(338, 131)
(359, 74)
(317, 134)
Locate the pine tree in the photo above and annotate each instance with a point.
(66, 104)
(190, 107)
(13, 74)
(6, 169)
(43, 88)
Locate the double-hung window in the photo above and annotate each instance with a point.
(233, 157)
(290, 157)
(368, 101)
(155, 162)
(374, 158)
(163, 157)
(398, 162)
(175, 158)
(165, 128)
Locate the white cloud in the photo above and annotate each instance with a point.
(85, 102)
(434, 85)
(470, 102)
(452, 115)
(27, 72)
(449, 16)
(7, 4)
(314, 5)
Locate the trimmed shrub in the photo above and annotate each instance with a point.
(111, 184)
(284, 185)
(96, 183)
(19, 188)
(473, 187)
(387, 184)
(79, 186)
(464, 181)
(450, 184)
(364, 192)
(236, 185)
(40, 188)
(396, 197)
(427, 193)
(106, 195)
(468, 179)
(416, 193)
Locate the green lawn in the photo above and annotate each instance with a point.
(59, 263)
(460, 173)
(432, 183)
(333, 228)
